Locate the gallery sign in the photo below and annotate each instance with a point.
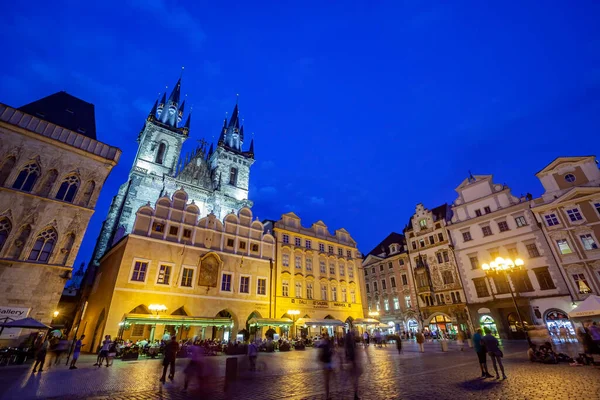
(8, 314)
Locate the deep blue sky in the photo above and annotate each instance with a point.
(360, 111)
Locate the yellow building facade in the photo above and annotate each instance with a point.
(317, 276)
(183, 275)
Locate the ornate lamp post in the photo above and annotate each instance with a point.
(294, 314)
(506, 266)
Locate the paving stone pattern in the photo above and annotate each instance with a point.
(297, 375)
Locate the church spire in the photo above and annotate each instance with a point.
(152, 114)
(251, 150)
(180, 112)
(161, 105)
(169, 116)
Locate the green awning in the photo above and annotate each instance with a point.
(365, 321)
(270, 322)
(176, 320)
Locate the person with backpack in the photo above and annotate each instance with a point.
(326, 358)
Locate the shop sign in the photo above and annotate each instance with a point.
(339, 304)
(299, 301)
(320, 304)
(8, 314)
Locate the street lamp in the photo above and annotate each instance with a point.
(56, 314)
(506, 266)
(373, 314)
(294, 314)
(157, 308)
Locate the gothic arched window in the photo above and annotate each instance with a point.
(68, 188)
(5, 227)
(233, 173)
(87, 194)
(48, 183)
(27, 177)
(160, 154)
(6, 168)
(44, 244)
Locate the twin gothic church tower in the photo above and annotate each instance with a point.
(216, 180)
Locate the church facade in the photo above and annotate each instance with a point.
(216, 180)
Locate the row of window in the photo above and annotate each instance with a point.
(382, 267)
(587, 240)
(520, 280)
(285, 261)
(427, 241)
(574, 215)
(532, 252)
(308, 245)
(396, 304)
(423, 280)
(440, 299)
(187, 234)
(309, 294)
(384, 283)
(502, 227)
(31, 172)
(165, 275)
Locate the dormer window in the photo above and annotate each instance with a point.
(393, 248)
(423, 223)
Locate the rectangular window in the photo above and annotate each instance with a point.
(285, 238)
(330, 249)
(285, 288)
(563, 246)
(487, 209)
(520, 221)
(441, 237)
(478, 213)
(588, 242)
(474, 262)
(375, 289)
(242, 245)
(261, 286)
(138, 330)
(368, 288)
(350, 272)
(439, 258)
(414, 245)
(513, 253)
(407, 301)
(383, 284)
(244, 284)
(503, 226)
(390, 265)
(446, 256)
(422, 242)
(393, 281)
(332, 269)
(487, 231)
(297, 241)
(348, 253)
(458, 299)
(467, 236)
(574, 215)
(551, 219)
(321, 247)
(230, 242)
(396, 303)
(401, 262)
(254, 247)
(353, 296)
(431, 239)
(333, 293)
(324, 292)
(308, 244)
(309, 264)
(226, 283)
(581, 284)
(173, 230)
(285, 260)
(309, 291)
(422, 281)
(298, 293)
(298, 262)
(187, 233)
(404, 280)
(340, 252)
(381, 267)
(481, 287)
(322, 267)
(544, 279)
(164, 275)
(344, 295)
(139, 271)
(532, 250)
(187, 277)
(342, 270)
(522, 282)
(386, 304)
(501, 283)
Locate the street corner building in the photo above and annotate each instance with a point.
(390, 293)
(52, 169)
(180, 273)
(438, 284)
(489, 222)
(317, 280)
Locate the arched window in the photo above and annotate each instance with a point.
(87, 194)
(66, 250)
(160, 154)
(233, 176)
(27, 177)
(5, 227)
(48, 183)
(44, 244)
(6, 169)
(68, 188)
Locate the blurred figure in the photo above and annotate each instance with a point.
(40, 356)
(171, 350)
(326, 358)
(352, 359)
(563, 334)
(460, 340)
(103, 352)
(194, 368)
(252, 355)
(421, 341)
(491, 345)
(76, 352)
(399, 344)
(481, 353)
(366, 338)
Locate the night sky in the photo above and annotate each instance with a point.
(359, 111)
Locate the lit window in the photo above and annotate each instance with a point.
(333, 293)
(226, 283)
(261, 286)
(563, 246)
(570, 178)
(423, 223)
(285, 288)
(139, 271)
(503, 226)
(309, 291)
(551, 219)
(68, 189)
(27, 177)
(244, 284)
(164, 275)
(186, 277)
(309, 264)
(588, 242)
(574, 215)
(581, 284)
(285, 260)
(298, 262)
(43, 246)
(520, 221)
(407, 301)
(396, 303)
(386, 304)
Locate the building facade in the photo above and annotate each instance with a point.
(489, 222)
(389, 290)
(317, 274)
(52, 169)
(209, 277)
(438, 284)
(569, 213)
(217, 180)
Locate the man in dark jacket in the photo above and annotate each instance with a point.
(171, 350)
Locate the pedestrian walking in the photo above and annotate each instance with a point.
(421, 341)
(352, 359)
(171, 350)
(366, 338)
(491, 345)
(326, 358)
(40, 356)
(112, 353)
(76, 352)
(194, 367)
(252, 355)
(460, 340)
(399, 344)
(481, 351)
(103, 356)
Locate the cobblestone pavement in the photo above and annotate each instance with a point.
(296, 375)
